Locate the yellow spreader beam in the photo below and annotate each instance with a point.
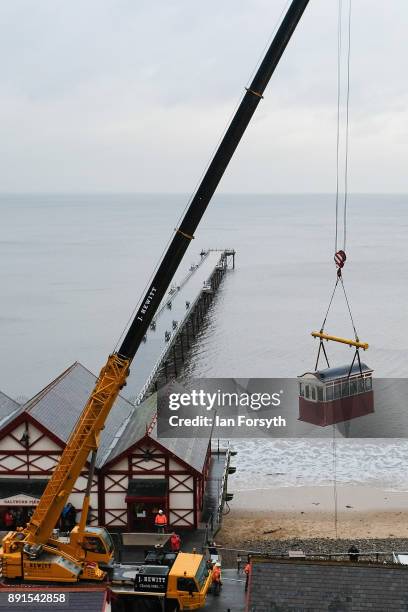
(355, 343)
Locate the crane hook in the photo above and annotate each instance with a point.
(339, 260)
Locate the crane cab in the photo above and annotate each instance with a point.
(96, 544)
(334, 395)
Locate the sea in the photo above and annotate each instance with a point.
(74, 266)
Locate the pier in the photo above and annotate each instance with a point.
(178, 321)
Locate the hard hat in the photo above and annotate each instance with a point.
(218, 564)
(160, 511)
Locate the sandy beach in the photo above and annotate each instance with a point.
(308, 512)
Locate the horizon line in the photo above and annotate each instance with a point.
(189, 195)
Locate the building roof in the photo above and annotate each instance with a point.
(78, 598)
(314, 585)
(134, 428)
(339, 372)
(8, 407)
(192, 451)
(58, 406)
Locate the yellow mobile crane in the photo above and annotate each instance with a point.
(33, 553)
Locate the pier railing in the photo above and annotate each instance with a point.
(223, 485)
(182, 283)
(179, 329)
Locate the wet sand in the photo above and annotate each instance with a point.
(308, 512)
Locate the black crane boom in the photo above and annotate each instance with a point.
(185, 233)
(20, 550)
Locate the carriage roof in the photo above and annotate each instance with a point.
(337, 373)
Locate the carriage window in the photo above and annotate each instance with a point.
(353, 387)
(320, 394)
(368, 383)
(329, 393)
(301, 390)
(313, 389)
(345, 389)
(361, 385)
(307, 391)
(337, 391)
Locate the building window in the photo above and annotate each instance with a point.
(139, 510)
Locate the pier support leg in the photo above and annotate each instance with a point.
(175, 361)
(181, 346)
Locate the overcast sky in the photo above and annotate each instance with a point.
(132, 95)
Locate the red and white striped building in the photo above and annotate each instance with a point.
(136, 473)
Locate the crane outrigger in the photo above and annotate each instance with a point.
(33, 553)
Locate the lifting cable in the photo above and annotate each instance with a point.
(334, 454)
(340, 255)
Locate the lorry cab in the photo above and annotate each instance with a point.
(189, 580)
(183, 586)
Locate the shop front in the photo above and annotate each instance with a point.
(18, 498)
(145, 497)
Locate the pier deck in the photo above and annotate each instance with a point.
(175, 307)
(232, 596)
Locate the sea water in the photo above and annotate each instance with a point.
(73, 267)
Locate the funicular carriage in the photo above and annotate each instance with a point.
(336, 394)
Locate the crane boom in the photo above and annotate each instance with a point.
(112, 378)
(185, 233)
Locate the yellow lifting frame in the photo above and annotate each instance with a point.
(355, 343)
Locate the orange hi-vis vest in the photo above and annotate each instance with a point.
(161, 519)
(216, 574)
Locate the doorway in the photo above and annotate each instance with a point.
(143, 513)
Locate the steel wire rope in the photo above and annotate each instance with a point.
(347, 130)
(192, 194)
(339, 35)
(346, 155)
(349, 308)
(329, 306)
(340, 277)
(269, 41)
(335, 497)
(239, 100)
